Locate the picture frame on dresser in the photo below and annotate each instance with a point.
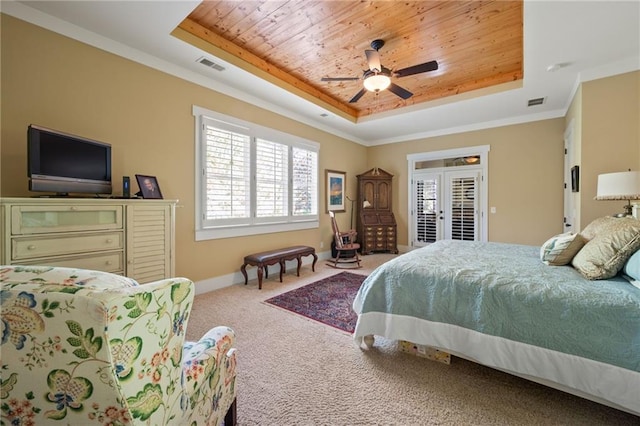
(149, 188)
(335, 190)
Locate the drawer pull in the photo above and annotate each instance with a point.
(31, 247)
(73, 208)
(109, 240)
(109, 263)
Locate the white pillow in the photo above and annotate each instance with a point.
(560, 249)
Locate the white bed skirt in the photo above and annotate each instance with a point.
(603, 383)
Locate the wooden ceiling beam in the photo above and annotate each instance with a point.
(247, 58)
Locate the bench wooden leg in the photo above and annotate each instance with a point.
(299, 259)
(243, 269)
(260, 272)
(315, 259)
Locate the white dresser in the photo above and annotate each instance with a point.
(134, 237)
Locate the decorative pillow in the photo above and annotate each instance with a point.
(560, 249)
(631, 269)
(605, 254)
(597, 226)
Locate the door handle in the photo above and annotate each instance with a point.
(567, 225)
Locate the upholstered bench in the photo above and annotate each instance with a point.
(279, 256)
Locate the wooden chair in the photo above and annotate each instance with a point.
(346, 247)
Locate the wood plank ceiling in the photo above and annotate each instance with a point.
(477, 44)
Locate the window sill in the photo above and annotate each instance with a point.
(231, 232)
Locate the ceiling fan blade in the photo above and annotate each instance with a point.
(417, 69)
(339, 78)
(397, 90)
(373, 59)
(358, 96)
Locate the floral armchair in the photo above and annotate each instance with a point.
(89, 347)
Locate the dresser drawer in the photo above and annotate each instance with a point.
(29, 219)
(106, 262)
(30, 248)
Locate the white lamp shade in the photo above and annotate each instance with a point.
(619, 186)
(377, 82)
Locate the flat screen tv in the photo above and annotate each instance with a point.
(65, 164)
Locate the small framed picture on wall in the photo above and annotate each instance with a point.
(335, 190)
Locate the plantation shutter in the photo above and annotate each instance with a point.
(305, 182)
(227, 171)
(427, 209)
(272, 179)
(462, 222)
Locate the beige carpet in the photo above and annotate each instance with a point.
(294, 371)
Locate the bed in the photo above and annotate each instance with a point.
(500, 305)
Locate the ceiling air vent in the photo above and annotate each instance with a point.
(536, 101)
(209, 63)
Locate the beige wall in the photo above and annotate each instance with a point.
(525, 177)
(145, 114)
(56, 82)
(610, 137)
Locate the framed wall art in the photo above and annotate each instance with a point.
(335, 190)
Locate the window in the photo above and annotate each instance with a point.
(251, 179)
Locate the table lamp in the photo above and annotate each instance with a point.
(619, 186)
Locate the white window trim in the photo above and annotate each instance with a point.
(209, 233)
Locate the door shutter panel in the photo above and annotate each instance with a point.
(463, 224)
(427, 209)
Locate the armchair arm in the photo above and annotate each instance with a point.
(215, 343)
(209, 372)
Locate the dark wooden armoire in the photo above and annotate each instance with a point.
(376, 224)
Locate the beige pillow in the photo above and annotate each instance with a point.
(599, 225)
(560, 249)
(605, 254)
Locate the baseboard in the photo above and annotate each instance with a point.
(405, 249)
(216, 283)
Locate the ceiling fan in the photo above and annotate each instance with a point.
(378, 77)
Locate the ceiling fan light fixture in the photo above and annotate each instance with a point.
(376, 82)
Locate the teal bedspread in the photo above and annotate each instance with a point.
(505, 290)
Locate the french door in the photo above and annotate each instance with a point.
(445, 206)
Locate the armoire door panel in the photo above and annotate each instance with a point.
(384, 196)
(368, 189)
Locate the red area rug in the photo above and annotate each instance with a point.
(327, 301)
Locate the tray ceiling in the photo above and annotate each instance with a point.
(294, 44)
